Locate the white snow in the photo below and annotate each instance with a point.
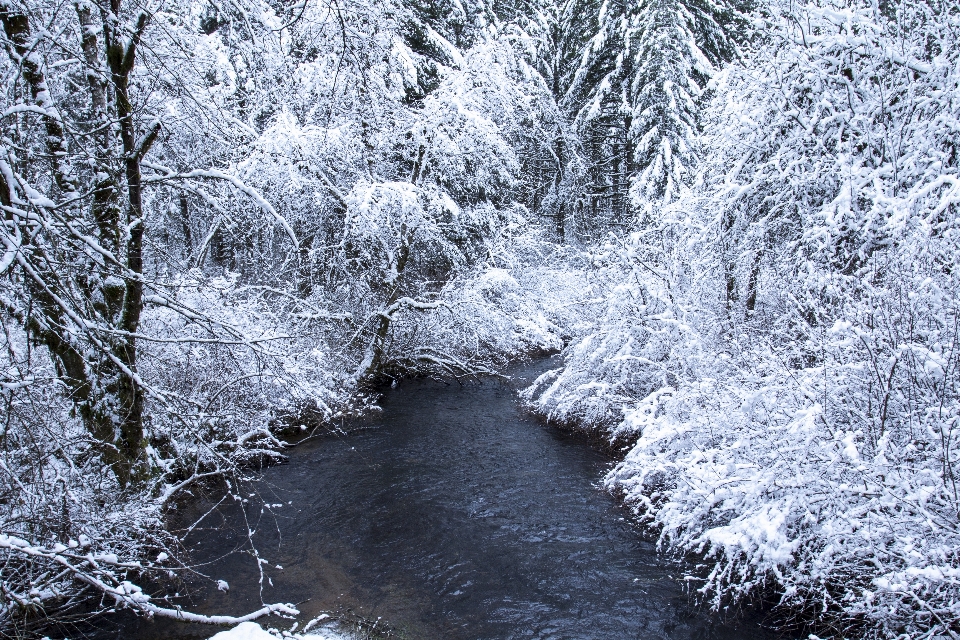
(253, 631)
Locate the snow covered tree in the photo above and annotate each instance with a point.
(626, 79)
(662, 54)
(781, 346)
(103, 108)
(84, 210)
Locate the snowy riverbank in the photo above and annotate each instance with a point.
(779, 351)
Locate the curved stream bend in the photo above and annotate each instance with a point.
(456, 517)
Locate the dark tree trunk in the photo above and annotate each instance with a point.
(753, 284)
(130, 394)
(185, 222)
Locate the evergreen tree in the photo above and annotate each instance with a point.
(657, 56)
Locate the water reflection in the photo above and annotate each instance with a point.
(453, 516)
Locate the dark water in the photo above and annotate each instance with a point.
(453, 516)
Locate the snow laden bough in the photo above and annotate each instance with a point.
(105, 575)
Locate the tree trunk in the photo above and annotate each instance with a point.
(98, 367)
(106, 208)
(130, 396)
(558, 186)
(378, 347)
(185, 222)
(752, 284)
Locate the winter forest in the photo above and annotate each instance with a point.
(229, 221)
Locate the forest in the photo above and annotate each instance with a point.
(227, 222)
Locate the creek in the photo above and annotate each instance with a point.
(452, 514)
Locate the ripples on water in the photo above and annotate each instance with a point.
(452, 516)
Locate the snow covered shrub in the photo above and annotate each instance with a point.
(793, 388)
(277, 362)
(530, 297)
(833, 482)
(631, 348)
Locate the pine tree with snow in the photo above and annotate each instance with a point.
(663, 52)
